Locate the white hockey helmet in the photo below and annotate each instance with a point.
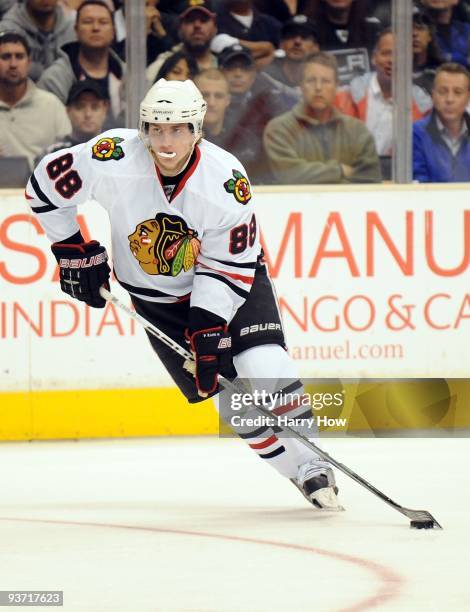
(173, 102)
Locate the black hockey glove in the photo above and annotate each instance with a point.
(83, 270)
(212, 348)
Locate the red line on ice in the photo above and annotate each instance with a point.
(390, 587)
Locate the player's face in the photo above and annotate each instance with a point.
(383, 58)
(217, 96)
(197, 29)
(95, 27)
(14, 64)
(297, 47)
(450, 96)
(240, 77)
(421, 38)
(172, 145)
(88, 113)
(318, 87)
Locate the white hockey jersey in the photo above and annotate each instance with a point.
(202, 240)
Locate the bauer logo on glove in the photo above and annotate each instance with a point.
(84, 263)
(83, 270)
(225, 343)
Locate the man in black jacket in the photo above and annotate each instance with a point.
(345, 30)
(256, 31)
(299, 40)
(255, 99)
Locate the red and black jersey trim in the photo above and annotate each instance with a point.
(146, 291)
(249, 265)
(241, 292)
(225, 273)
(41, 196)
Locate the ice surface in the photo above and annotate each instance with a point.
(202, 524)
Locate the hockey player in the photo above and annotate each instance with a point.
(185, 246)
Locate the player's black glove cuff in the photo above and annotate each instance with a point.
(212, 348)
(83, 270)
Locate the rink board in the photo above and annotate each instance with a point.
(372, 282)
(441, 407)
(47, 415)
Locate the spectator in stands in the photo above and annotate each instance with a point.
(178, 67)
(45, 27)
(197, 28)
(213, 85)
(249, 87)
(345, 30)
(426, 56)
(70, 6)
(160, 28)
(371, 96)
(441, 142)
(5, 5)
(87, 109)
(381, 10)
(298, 41)
(90, 57)
(255, 31)
(314, 143)
(255, 99)
(452, 36)
(282, 10)
(462, 10)
(30, 119)
(174, 6)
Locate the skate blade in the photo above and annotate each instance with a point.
(325, 499)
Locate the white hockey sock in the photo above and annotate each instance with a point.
(269, 368)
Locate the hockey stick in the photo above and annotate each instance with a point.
(419, 519)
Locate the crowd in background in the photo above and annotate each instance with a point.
(299, 90)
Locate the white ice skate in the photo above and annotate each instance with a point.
(316, 481)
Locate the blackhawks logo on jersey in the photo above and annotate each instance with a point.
(108, 148)
(239, 186)
(164, 245)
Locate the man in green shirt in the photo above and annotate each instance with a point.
(314, 143)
